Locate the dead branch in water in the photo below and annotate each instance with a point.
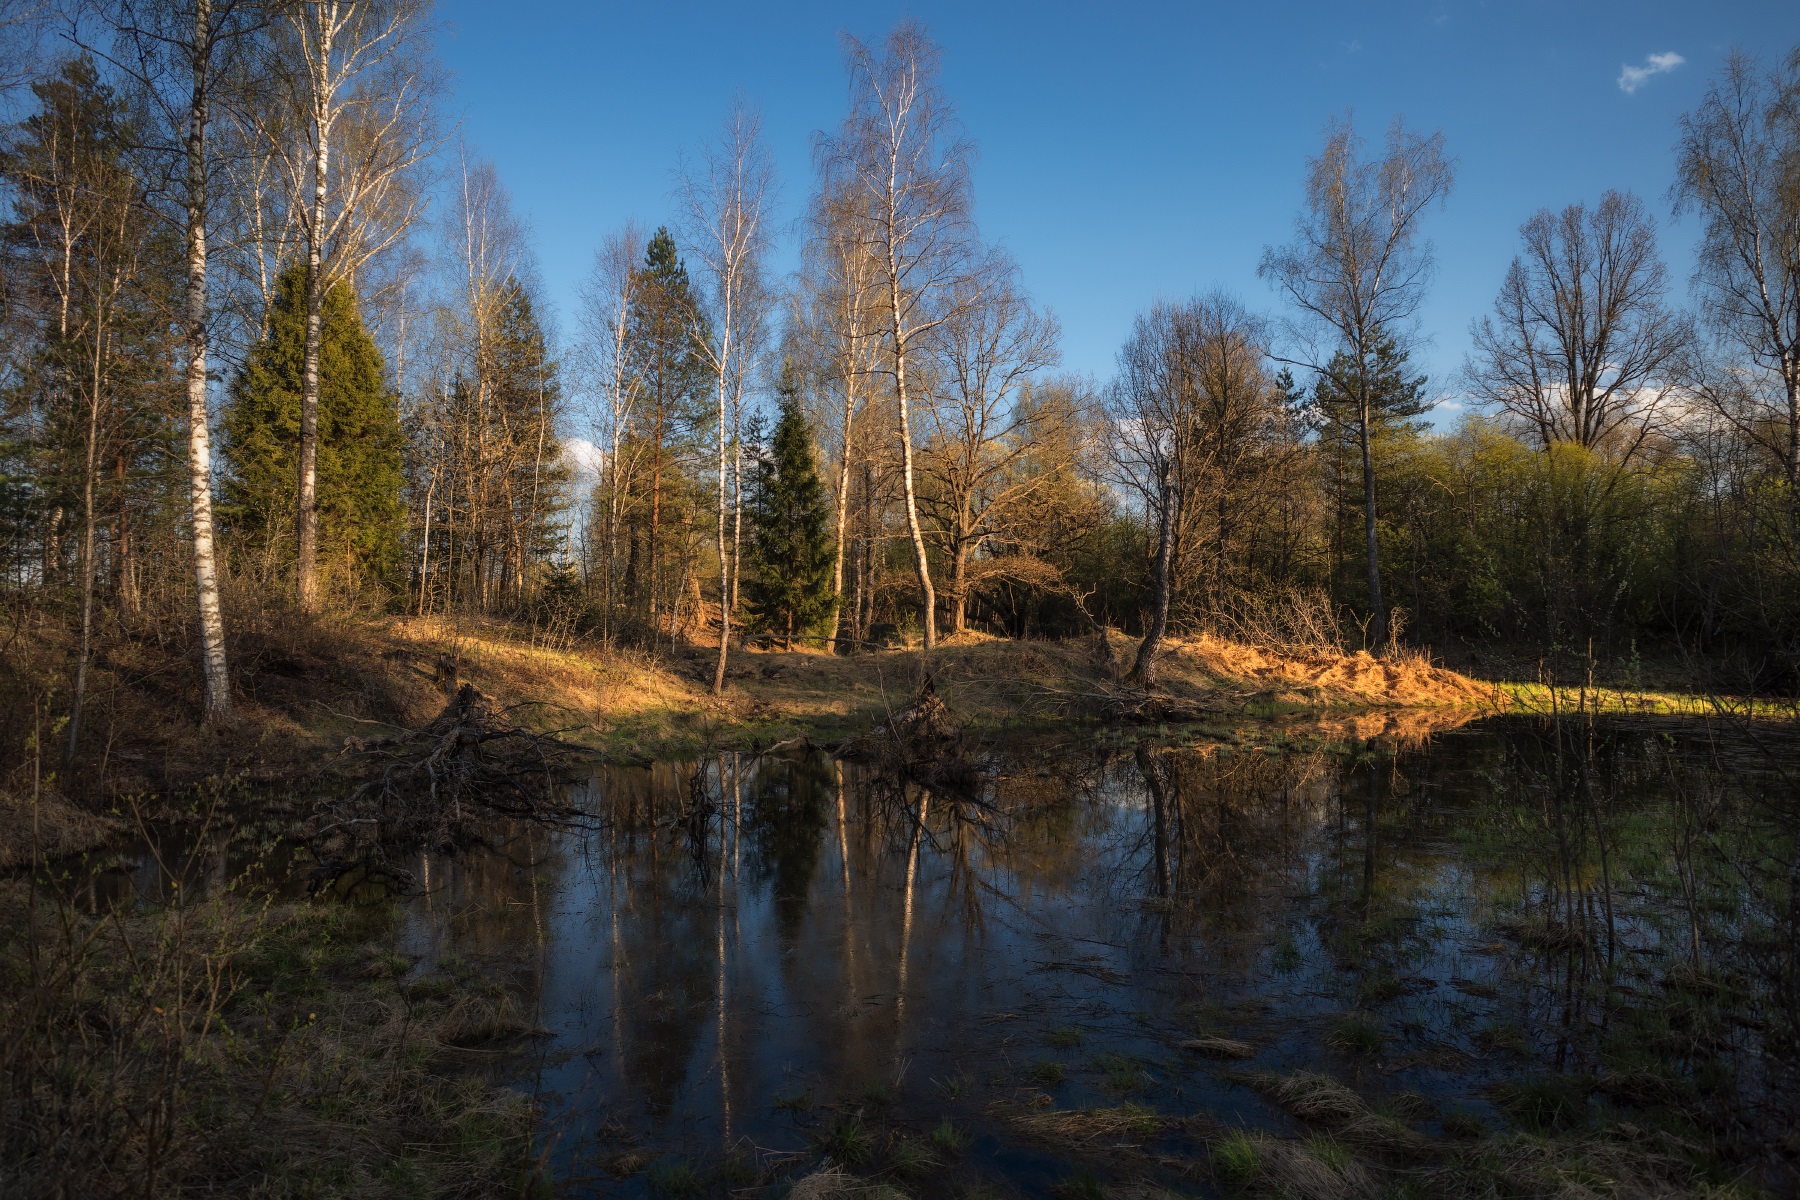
(428, 786)
(921, 743)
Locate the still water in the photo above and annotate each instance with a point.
(754, 963)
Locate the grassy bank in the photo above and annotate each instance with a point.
(306, 684)
(637, 705)
(226, 1045)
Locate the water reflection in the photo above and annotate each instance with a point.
(751, 946)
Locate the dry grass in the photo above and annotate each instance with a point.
(1080, 1125)
(1568, 1169)
(1324, 1101)
(1218, 1047)
(307, 685)
(1294, 1170)
(49, 825)
(219, 1045)
(830, 1182)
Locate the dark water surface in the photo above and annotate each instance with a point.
(756, 963)
(764, 958)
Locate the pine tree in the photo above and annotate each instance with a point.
(1396, 401)
(361, 517)
(789, 583)
(667, 336)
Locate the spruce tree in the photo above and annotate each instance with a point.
(1397, 399)
(789, 584)
(361, 517)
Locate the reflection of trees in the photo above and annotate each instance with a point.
(666, 826)
(786, 824)
(1219, 844)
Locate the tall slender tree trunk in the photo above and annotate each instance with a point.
(718, 685)
(843, 518)
(1378, 611)
(216, 706)
(307, 565)
(425, 544)
(1143, 670)
(929, 600)
(1792, 381)
(959, 587)
(87, 540)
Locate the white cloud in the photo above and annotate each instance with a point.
(584, 459)
(1632, 78)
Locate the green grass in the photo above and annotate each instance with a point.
(911, 1159)
(1285, 957)
(1066, 1037)
(1046, 1073)
(1545, 1104)
(1461, 1123)
(1236, 1161)
(1355, 1033)
(947, 1139)
(794, 1102)
(675, 1180)
(846, 1141)
(1121, 1072)
(1082, 1185)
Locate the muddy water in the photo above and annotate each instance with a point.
(757, 963)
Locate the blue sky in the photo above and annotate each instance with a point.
(1127, 150)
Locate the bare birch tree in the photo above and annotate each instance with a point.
(837, 316)
(1580, 348)
(1736, 164)
(902, 149)
(186, 52)
(360, 94)
(1356, 273)
(606, 302)
(728, 193)
(22, 25)
(983, 426)
(1152, 400)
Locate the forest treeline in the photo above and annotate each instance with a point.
(272, 334)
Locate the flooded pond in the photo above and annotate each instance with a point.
(1195, 968)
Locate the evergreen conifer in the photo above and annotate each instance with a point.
(788, 587)
(361, 517)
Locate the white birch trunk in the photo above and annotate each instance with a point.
(216, 707)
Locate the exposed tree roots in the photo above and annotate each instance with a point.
(435, 786)
(921, 743)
